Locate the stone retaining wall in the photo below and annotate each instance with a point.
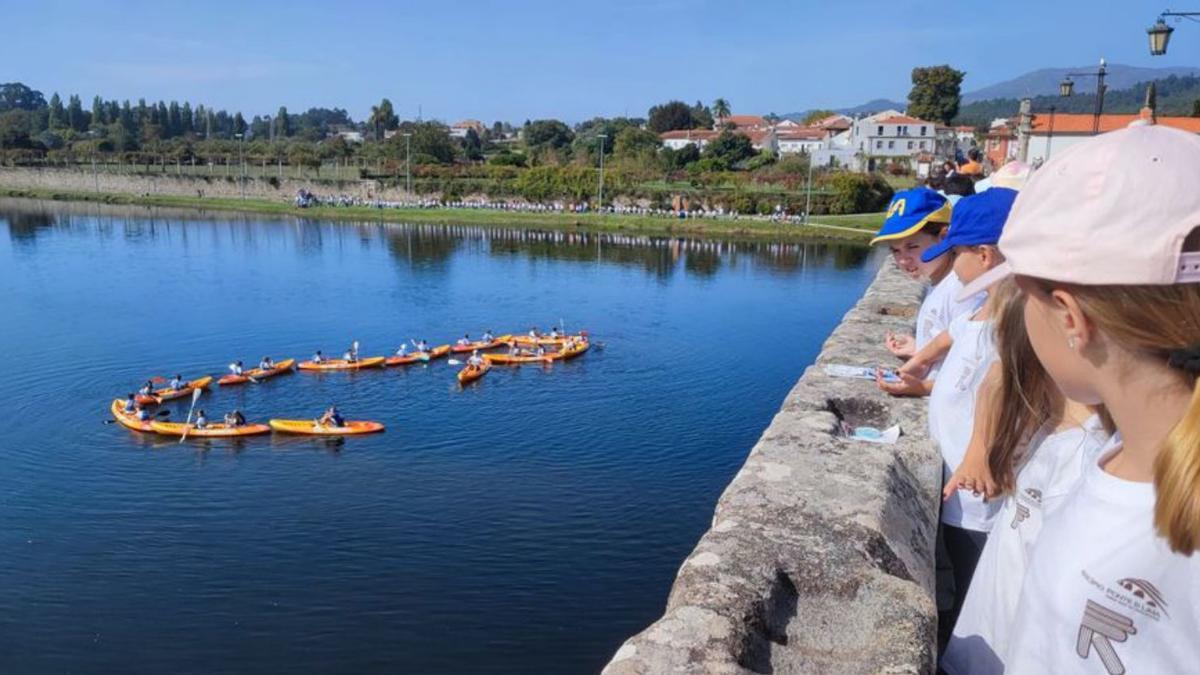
(820, 555)
(217, 185)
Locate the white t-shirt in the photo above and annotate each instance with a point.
(1104, 593)
(939, 308)
(1053, 468)
(952, 415)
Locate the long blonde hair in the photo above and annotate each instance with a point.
(1162, 322)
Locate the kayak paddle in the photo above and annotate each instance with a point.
(188, 424)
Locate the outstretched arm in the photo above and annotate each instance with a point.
(974, 473)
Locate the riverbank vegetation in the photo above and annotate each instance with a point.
(539, 160)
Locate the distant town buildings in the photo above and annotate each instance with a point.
(460, 129)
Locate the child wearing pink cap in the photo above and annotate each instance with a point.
(1104, 242)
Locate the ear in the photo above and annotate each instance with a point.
(1073, 322)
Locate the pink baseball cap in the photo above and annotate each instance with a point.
(1113, 210)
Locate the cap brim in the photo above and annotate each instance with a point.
(986, 281)
(936, 251)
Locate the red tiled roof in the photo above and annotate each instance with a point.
(802, 134)
(901, 119)
(694, 134)
(965, 127)
(1081, 123)
(744, 121)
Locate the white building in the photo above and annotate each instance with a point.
(795, 140)
(460, 129)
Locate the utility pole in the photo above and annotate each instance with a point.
(600, 199)
(808, 190)
(408, 164)
(1024, 129)
(242, 160)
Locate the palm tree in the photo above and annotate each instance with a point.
(383, 117)
(721, 108)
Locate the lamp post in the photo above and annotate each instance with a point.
(1067, 87)
(1050, 134)
(408, 164)
(600, 198)
(1160, 32)
(242, 160)
(808, 190)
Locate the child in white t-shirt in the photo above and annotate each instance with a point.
(1030, 443)
(966, 518)
(916, 221)
(1105, 243)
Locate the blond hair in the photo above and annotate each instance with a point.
(1161, 322)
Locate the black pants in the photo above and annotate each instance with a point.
(957, 554)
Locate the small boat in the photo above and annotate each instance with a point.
(579, 348)
(545, 340)
(471, 373)
(472, 346)
(342, 364)
(517, 359)
(257, 373)
(209, 431)
(169, 394)
(418, 357)
(311, 428)
(129, 420)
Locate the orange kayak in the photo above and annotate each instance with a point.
(128, 420)
(517, 359)
(161, 395)
(545, 340)
(472, 346)
(310, 427)
(342, 364)
(257, 373)
(471, 373)
(209, 431)
(423, 357)
(579, 348)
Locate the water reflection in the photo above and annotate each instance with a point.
(428, 247)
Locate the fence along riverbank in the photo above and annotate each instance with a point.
(820, 554)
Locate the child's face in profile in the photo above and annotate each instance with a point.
(970, 262)
(907, 252)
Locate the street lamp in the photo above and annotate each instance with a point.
(600, 199)
(408, 164)
(1160, 32)
(1067, 87)
(242, 160)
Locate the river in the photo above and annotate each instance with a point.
(527, 523)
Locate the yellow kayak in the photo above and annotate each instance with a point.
(128, 420)
(310, 427)
(342, 364)
(169, 394)
(209, 431)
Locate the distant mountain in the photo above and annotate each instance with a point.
(1045, 82)
(1177, 95)
(867, 108)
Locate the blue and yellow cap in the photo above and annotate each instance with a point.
(909, 211)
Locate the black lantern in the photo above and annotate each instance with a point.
(1160, 35)
(1066, 87)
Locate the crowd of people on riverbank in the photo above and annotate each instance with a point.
(307, 199)
(1059, 348)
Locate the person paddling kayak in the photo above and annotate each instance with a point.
(464, 340)
(266, 363)
(402, 351)
(147, 389)
(201, 419)
(351, 354)
(131, 405)
(488, 337)
(422, 346)
(318, 357)
(236, 368)
(177, 382)
(475, 360)
(331, 418)
(235, 418)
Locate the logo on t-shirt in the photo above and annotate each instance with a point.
(1101, 626)
(1030, 498)
(1098, 630)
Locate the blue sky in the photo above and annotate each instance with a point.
(572, 60)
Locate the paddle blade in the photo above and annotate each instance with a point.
(454, 362)
(196, 395)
